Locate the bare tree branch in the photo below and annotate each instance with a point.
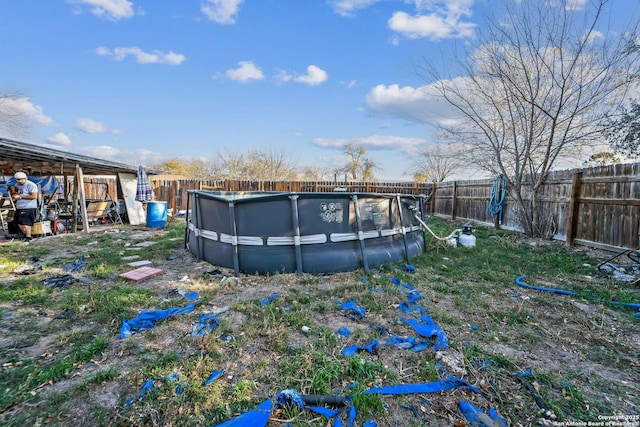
(534, 87)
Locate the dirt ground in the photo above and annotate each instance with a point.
(594, 347)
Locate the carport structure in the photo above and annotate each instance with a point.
(37, 160)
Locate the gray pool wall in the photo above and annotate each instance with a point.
(275, 232)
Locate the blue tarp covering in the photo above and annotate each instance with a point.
(147, 319)
(47, 184)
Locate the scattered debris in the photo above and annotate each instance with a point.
(61, 281)
(25, 269)
(205, 324)
(76, 266)
(147, 319)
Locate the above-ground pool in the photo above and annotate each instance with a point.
(265, 232)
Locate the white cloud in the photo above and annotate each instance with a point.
(419, 104)
(347, 8)
(432, 26)
(22, 107)
(283, 77)
(92, 126)
(593, 36)
(406, 145)
(59, 139)
(155, 57)
(573, 5)
(349, 84)
(221, 11)
(315, 75)
(247, 71)
(108, 9)
(433, 19)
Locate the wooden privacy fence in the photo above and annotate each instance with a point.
(598, 207)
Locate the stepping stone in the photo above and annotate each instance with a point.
(140, 263)
(144, 244)
(142, 273)
(130, 257)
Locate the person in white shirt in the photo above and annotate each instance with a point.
(26, 201)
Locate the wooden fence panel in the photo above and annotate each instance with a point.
(593, 206)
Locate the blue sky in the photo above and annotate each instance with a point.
(143, 81)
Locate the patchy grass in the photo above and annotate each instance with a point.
(64, 364)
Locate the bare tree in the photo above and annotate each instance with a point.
(602, 158)
(316, 173)
(12, 120)
(532, 90)
(255, 165)
(436, 164)
(172, 166)
(359, 167)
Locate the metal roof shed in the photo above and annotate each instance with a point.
(43, 161)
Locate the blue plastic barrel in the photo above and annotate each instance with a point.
(156, 214)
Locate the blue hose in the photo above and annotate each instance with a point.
(563, 292)
(496, 201)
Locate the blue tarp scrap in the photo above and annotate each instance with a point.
(268, 299)
(372, 348)
(149, 384)
(257, 417)
(352, 416)
(76, 266)
(205, 324)
(407, 343)
(479, 418)
(409, 291)
(409, 307)
(214, 376)
(192, 296)
(344, 331)
(260, 416)
(432, 387)
(411, 269)
(357, 312)
(147, 319)
(427, 328)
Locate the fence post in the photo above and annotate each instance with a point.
(453, 200)
(433, 198)
(573, 208)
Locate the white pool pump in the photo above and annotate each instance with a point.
(466, 237)
(459, 237)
